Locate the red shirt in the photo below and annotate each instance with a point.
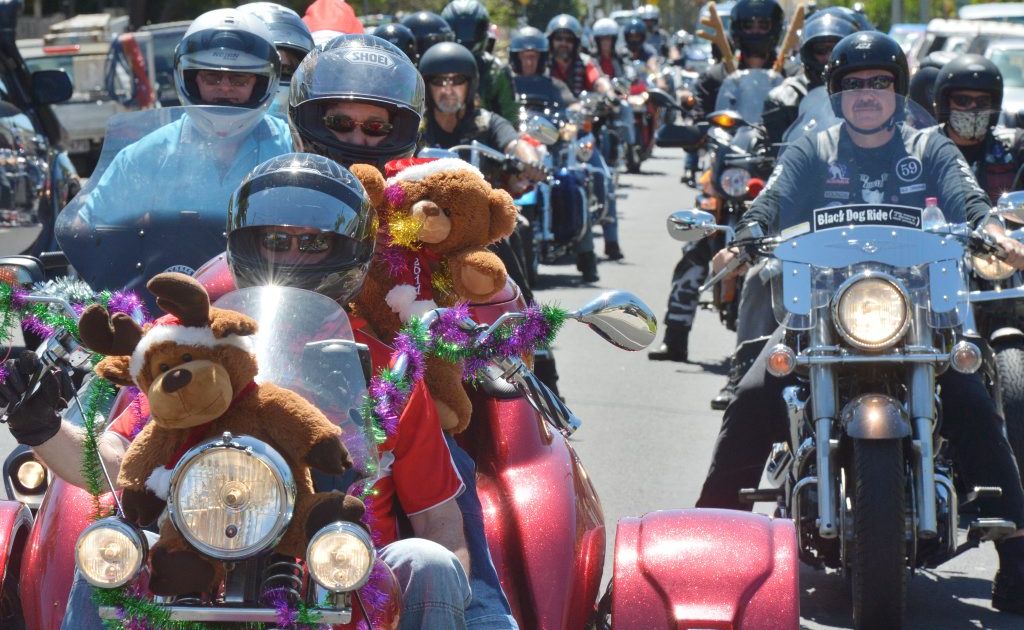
(590, 73)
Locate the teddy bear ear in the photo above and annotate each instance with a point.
(503, 215)
(116, 370)
(372, 181)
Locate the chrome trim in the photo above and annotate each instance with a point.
(823, 405)
(910, 357)
(921, 406)
(130, 531)
(1015, 293)
(848, 284)
(348, 528)
(952, 518)
(223, 615)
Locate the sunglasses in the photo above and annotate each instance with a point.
(308, 243)
(457, 79)
(878, 82)
(346, 124)
(966, 101)
(234, 79)
(756, 24)
(820, 50)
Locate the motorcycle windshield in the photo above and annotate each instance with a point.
(158, 198)
(537, 93)
(744, 92)
(304, 343)
(815, 114)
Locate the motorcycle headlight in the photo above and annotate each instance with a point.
(734, 182)
(991, 268)
(110, 552)
(340, 557)
(568, 131)
(637, 100)
(231, 497)
(871, 313)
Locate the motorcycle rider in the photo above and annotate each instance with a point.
(637, 49)
(922, 82)
(470, 22)
(400, 36)
(528, 57)
(755, 28)
(657, 37)
(291, 38)
(863, 147)
(428, 28)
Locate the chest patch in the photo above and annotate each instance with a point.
(909, 169)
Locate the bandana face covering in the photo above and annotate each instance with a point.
(969, 125)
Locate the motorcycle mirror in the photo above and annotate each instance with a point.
(434, 152)
(541, 129)
(662, 98)
(690, 225)
(678, 136)
(621, 318)
(1011, 206)
(51, 86)
(21, 270)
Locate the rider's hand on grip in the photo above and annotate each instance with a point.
(1012, 249)
(724, 258)
(141, 507)
(34, 395)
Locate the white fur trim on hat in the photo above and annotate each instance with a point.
(422, 171)
(185, 336)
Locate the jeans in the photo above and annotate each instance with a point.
(757, 418)
(756, 317)
(690, 272)
(435, 590)
(489, 609)
(605, 186)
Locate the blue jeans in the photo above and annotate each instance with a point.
(605, 185)
(489, 609)
(435, 590)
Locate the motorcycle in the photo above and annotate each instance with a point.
(635, 88)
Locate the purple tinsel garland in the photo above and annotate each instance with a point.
(389, 402)
(395, 258)
(404, 344)
(278, 598)
(375, 600)
(18, 295)
(128, 303)
(394, 195)
(37, 326)
(448, 327)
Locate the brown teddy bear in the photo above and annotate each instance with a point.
(196, 367)
(438, 217)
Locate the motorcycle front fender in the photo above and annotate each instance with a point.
(875, 417)
(1005, 334)
(15, 524)
(703, 568)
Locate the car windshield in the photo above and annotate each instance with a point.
(1010, 62)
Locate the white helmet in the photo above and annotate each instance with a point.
(227, 40)
(650, 12)
(605, 27)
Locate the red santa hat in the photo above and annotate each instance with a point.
(415, 169)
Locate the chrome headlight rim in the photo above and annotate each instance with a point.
(728, 179)
(343, 527)
(991, 268)
(130, 531)
(252, 447)
(844, 331)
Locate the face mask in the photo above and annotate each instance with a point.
(969, 125)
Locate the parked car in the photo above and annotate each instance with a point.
(908, 35)
(36, 176)
(158, 41)
(995, 11)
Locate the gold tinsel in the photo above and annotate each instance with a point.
(404, 230)
(442, 281)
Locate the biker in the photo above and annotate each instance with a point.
(428, 29)
(606, 37)
(470, 22)
(637, 49)
(291, 37)
(968, 98)
(657, 37)
(528, 57)
(755, 27)
(863, 148)
(922, 83)
(400, 36)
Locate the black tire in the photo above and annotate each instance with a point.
(1010, 366)
(633, 159)
(877, 558)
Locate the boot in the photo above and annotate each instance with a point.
(586, 262)
(612, 251)
(1008, 586)
(744, 357)
(676, 346)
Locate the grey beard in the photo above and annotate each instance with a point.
(449, 108)
(969, 125)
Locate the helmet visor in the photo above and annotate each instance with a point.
(228, 50)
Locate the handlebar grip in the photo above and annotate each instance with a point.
(984, 243)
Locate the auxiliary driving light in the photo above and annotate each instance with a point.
(781, 360)
(965, 357)
(340, 557)
(110, 552)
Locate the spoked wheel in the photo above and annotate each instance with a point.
(877, 562)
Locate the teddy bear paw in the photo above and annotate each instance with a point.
(478, 284)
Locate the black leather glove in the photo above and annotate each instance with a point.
(33, 414)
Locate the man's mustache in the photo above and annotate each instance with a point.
(866, 105)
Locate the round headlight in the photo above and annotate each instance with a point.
(29, 475)
(871, 313)
(110, 552)
(340, 557)
(991, 268)
(231, 498)
(734, 182)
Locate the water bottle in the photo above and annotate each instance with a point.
(932, 217)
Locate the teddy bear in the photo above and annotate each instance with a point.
(197, 368)
(437, 218)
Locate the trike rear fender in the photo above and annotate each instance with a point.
(720, 569)
(15, 524)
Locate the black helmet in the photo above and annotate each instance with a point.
(867, 50)
(450, 58)
(821, 29)
(922, 88)
(760, 44)
(401, 37)
(364, 69)
(470, 21)
(635, 28)
(565, 22)
(428, 29)
(528, 38)
(968, 72)
(301, 190)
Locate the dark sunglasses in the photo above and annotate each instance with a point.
(822, 49)
(878, 82)
(966, 101)
(308, 243)
(760, 24)
(440, 81)
(346, 124)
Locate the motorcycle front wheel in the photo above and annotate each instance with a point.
(878, 546)
(1010, 367)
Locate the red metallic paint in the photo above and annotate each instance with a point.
(15, 518)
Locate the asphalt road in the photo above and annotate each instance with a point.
(648, 432)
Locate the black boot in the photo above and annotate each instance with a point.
(676, 346)
(745, 355)
(612, 251)
(1008, 586)
(586, 262)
